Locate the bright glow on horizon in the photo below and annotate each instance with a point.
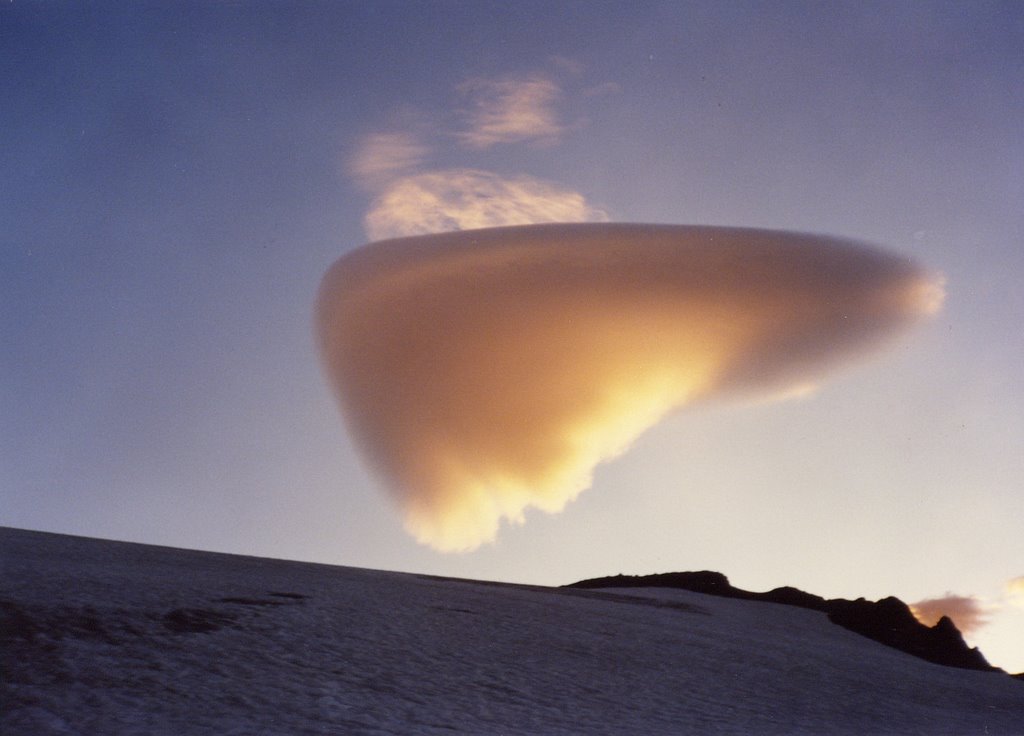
(488, 371)
(1015, 591)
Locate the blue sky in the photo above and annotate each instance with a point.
(176, 179)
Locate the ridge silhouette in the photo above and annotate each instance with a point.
(888, 621)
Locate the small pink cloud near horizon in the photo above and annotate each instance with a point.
(967, 612)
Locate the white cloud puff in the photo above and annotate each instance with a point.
(466, 199)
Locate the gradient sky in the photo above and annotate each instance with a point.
(176, 179)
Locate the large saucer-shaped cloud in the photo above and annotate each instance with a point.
(486, 371)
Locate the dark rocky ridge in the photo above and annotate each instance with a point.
(888, 621)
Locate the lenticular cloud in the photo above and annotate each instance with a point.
(487, 371)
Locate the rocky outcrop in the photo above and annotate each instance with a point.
(888, 621)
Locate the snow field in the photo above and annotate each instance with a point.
(112, 638)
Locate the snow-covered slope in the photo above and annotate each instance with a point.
(111, 638)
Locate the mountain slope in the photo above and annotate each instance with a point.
(113, 638)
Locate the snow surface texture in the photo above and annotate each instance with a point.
(112, 638)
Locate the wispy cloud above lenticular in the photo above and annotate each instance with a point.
(605, 88)
(411, 199)
(382, 157)
(510, 110)
(968, 613)
(467, 199)
(568, 65)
